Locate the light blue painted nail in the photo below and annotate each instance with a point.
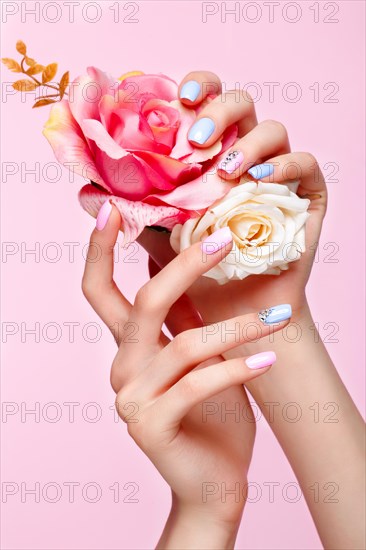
(261, 171)
(201, 130)
(190, 90)
(275, 314)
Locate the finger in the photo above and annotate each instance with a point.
(154, 300)
(98, 285)
(221, 112)
(304, 169)
(192, 347)
(267, 139)
(182, 315)
(201, 384)
(197, 85)
(301, 167)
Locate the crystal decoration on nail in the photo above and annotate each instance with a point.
(231, 156)
(264, 314)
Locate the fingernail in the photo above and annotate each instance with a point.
(231, 162)
(275, 314)
(201, 130)
(261, 360)
(217, 240)
(261, 171)
(190, 90)
(103, 215)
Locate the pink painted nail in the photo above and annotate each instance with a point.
(216, 241)
(103, 215)
(231, 162)
(261, 360)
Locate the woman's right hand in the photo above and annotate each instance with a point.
(160, 385)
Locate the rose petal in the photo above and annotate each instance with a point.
(197, 194)
(229, 136)
(86, 92)
(160, 86)
(202, 155)
(182, 146)
(226, 141)
(135, 215)
(294, 203)
(130, 177)
(168, 168)
(68, 143)
(268, 226)
(94, 130)
(210, 154)
(163, 120)
(128, 128)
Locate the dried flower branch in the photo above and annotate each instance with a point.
(34, 68)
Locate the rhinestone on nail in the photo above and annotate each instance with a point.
(231, 156)
(264, 314)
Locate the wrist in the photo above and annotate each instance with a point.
(201, 527)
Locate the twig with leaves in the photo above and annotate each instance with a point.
(48, 73)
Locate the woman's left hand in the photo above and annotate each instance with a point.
(203, 451)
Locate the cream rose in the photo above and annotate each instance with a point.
(267, 221)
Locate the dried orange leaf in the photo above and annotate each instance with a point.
(35, 69)
(29, 61)
(42, 102)
(64, 82)
(21, 47)
(12, 65)
(24, 85)
(49, 72)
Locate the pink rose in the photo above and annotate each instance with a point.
(129, 137)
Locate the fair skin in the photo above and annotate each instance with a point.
(319, 452)
(161, 383)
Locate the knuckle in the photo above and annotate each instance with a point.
(278, 127)
(123, 397)
(140, 431)
(190, 384)
(87, 287)
(127, 407)
(145, 298)
(310, 160)
(185, 344)
(247, 97)
(115, 378)
(114, 381)
(93, 286)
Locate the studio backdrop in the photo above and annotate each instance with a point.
(72, 478)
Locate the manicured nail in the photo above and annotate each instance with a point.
(275, 314)
(261, 360)
(190, 90)
(231, 162)
(103, 215)
(261, 171)
(201, 130)
(217, 240)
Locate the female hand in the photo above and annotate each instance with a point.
(258, 143)
(329, 453)
(160, 385)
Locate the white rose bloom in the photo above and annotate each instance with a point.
(267, 221)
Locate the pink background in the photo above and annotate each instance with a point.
(169, 38)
